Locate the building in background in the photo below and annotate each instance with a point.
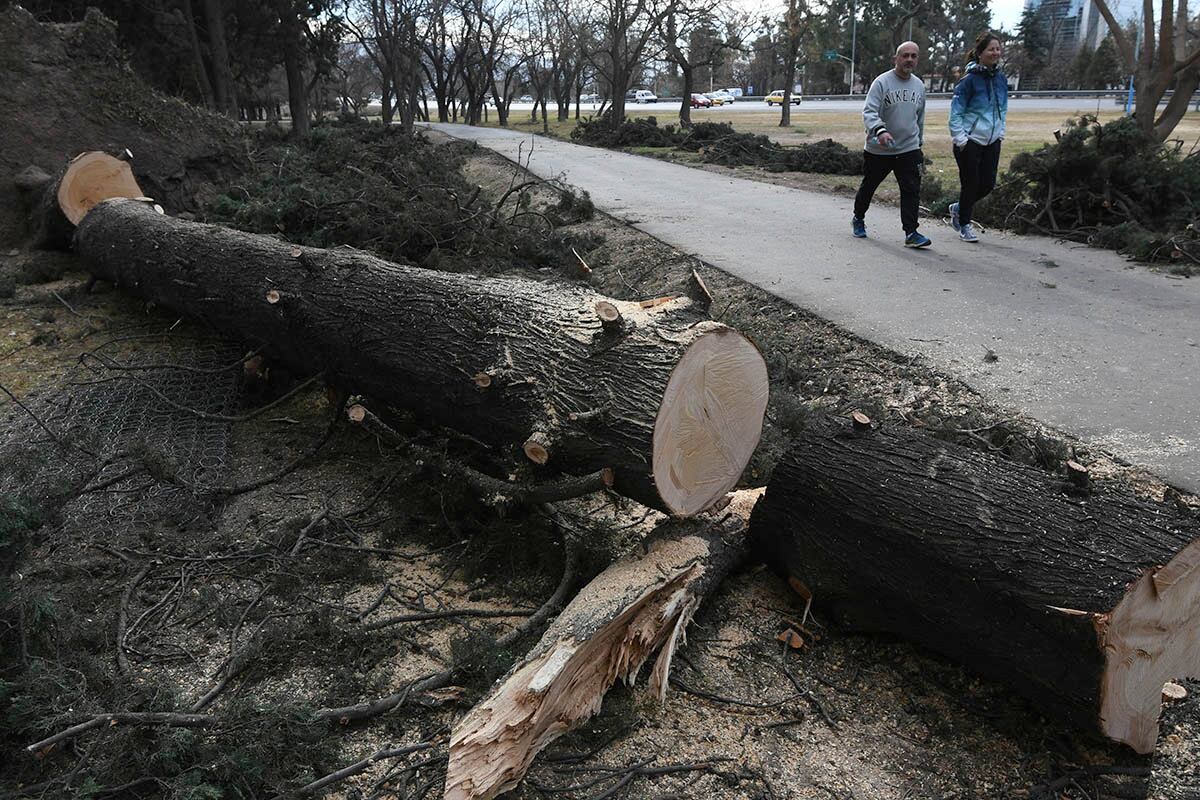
(1070, 24)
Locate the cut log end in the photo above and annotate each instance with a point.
(609, 314)
(1150, 639)
(537, 447)
(92, 178)
(710, 420)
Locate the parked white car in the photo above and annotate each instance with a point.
(645, 96)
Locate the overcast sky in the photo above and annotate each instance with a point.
(1007, 13)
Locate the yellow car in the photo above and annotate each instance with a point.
(776, 98)
(717, 100)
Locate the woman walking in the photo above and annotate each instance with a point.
(977, 115)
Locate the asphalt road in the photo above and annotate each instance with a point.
(1086, 342)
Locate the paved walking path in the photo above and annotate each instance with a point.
(1086, 343)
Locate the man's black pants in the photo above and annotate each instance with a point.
(907, 167)
(977, 165)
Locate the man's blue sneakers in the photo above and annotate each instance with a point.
(954, 216)
(917, 239)
(859, 226)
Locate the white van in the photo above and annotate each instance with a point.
(645, 96)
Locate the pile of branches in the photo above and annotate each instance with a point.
(1109, 185)
(401, 197)
(641, 132)
(747, 149)
(719, 143)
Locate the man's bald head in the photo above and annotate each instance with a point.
(906, 59)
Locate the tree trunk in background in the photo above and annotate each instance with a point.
(1000, 566)
(293, 65)
(198, 68)
(223, 87)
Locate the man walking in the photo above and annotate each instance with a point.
(894, 118)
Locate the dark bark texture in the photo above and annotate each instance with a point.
(975, 557)
(49, 228)
(416, 338)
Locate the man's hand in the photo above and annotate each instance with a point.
(886, 139)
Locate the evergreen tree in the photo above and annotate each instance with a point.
(1105, 69)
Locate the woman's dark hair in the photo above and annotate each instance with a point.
(981, 43)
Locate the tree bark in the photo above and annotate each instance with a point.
(293, 66)
(672, 402)
(198, 68)
(1062, 596)
(223, 87)
(638, 605)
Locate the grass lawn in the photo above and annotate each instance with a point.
(1026, 130)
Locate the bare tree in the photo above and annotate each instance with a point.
(390, 31)
(218, 53)
(795, 25)
(493, 57)
(355, 78)
(1170, 57)
(439, 60)
(691, 35)
(624, 31)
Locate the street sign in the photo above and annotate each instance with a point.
(830, 55)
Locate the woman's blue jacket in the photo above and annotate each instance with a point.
(980, 106)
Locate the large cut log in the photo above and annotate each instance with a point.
(639, 605)
(1084, 604)
(55, 204)
(669, 400)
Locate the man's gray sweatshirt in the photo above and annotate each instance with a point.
(897, 106)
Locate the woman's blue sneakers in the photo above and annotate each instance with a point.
(859, 226)
(917, 239)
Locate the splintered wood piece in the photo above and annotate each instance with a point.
(791, 638)
(1091, 603)
(1172, 692)
(638, 605)
(583, 265)
(657, 301)
(1078, 474)
(698, 291)
(861, 421)
(91, 178)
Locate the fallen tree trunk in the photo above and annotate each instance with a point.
(669, 400)
(1063, 597)
(640, 604)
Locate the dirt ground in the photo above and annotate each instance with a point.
(365, 531)
(181, 534)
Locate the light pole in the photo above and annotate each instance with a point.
(853, 41)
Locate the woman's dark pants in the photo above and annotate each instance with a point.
(977, 165)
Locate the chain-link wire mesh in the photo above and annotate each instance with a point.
(128, 404)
